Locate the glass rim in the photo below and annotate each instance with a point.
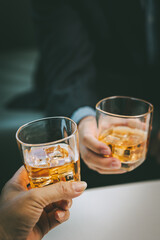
(47, 143)
(150, 110)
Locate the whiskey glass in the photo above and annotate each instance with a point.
(50, 150)
(124, 124)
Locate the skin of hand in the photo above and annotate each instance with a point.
(30, 214)
(93, 151)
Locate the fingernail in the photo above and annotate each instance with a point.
(60, 214)
(115, 163)
(105, 152)
(79, 186)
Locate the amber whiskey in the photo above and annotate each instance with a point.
(127, 144)
(51, 164)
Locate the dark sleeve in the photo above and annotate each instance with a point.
(67, 58)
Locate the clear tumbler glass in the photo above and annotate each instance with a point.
(50, 150)
(124, 124)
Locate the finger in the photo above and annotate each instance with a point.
(131, 123)
(95, 145)
(61, 215)
(57, 217)
(63, 204)
(52, 219)
(110, 171)
(56, 192)
(94, 160)
(44, 223)
(20, 178)
(136, 123)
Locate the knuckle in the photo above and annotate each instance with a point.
(85, 138)
(32, 194)
(98, 148)
(65, 218)
(104, 163)
(63, 189)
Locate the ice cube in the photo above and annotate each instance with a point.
(38, 153)
(58, 154)
(57, 151)
(118, 151)
(49, 150)
(112, 139)
(56, 163)
(37, 157)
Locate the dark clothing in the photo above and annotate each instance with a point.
(92, 49)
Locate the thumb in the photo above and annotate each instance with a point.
(58, 191)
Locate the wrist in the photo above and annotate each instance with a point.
(86, 119)
(82, 113)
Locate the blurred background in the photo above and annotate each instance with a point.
(18, 59)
